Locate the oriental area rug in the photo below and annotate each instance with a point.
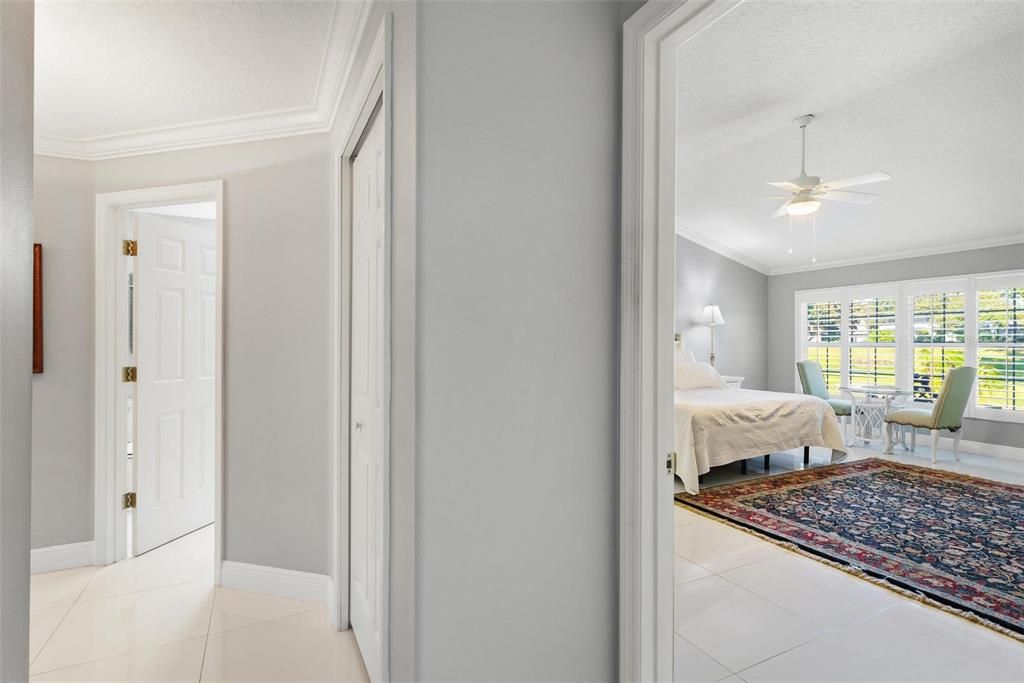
(949, 539)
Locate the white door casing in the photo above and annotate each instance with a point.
(370, 349)
(176, 305)
(651, 40)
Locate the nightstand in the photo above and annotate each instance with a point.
(733, 382)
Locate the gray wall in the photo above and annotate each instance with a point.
(781, 312)
(16, 32)
(62, 397)
(704, 277)
(519, 115)
(275, 393)
(276, 209)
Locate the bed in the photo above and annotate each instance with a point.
(716, 425)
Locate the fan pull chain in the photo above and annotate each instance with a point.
(814, 238)
(790, 250)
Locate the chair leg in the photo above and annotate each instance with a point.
(956, 443)
(913, 439)
(889, 427)
(935, 443)
(807, 455)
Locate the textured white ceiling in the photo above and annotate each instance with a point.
(932, 92)
(107, 70)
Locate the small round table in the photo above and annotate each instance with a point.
(870, 403)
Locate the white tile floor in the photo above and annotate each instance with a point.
(748, 610)
(159, 617)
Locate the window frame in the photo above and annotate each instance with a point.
(904, 291)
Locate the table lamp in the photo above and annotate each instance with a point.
(712, 317)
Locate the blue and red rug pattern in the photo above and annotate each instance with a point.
(956, 539)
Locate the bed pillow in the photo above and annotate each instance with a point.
(690, 375)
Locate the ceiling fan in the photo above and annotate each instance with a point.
(807, 191)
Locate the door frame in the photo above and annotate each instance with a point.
(651, 38)
(110, 520)
(373, 88)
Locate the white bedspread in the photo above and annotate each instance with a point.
(719, 426)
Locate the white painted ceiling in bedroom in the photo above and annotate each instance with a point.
(931, 92)
(133, 77)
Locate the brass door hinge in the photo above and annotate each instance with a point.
(130, 248)
(128, 500)
(670, 463)
(129, 374)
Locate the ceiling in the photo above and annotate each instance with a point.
(931, 92)
(121, 78)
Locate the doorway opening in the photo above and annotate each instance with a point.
(158, 368)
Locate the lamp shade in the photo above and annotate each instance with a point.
(711, 315)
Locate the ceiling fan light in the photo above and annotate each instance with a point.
(803, 207)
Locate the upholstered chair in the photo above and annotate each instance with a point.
(946, 413)
(813, 382)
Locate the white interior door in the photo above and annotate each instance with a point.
(368, 429)
(175, 299)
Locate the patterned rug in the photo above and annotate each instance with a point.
(955, 539)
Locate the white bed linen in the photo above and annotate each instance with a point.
(718, 426)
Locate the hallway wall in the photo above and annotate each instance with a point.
(62, 396)
(517, 358)
(275, 311)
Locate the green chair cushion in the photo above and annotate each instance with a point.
(912, 417)
(841, 407)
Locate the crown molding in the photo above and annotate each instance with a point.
(744, 260)
(348, 21)
(950, 248)
(719, 248)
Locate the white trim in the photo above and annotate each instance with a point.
(651, 38)
(374, 84)
(981, 448)
(318, 117)
(947, 248)
(904, 291)
(109, 519)
(719, 248)
(283, 583)
(57, 557)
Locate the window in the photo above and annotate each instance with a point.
(939, 340)
(872, 344)
(912, 333)
(824, 339)
(1001, 348)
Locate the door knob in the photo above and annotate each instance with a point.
(359, 426)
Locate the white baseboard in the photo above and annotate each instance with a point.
(284, 583)
(976, 447)
(56, 557)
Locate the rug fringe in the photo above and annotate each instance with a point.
(861, 574)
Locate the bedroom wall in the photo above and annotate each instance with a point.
(781, 312)
(704, 277)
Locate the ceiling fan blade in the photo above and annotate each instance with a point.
(847, 197)
(781, 211)
(862, 179)
(786, 185)
(754, 201)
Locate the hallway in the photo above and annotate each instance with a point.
(158, 617)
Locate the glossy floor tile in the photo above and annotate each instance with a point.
(158, 617)
(767, 614)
